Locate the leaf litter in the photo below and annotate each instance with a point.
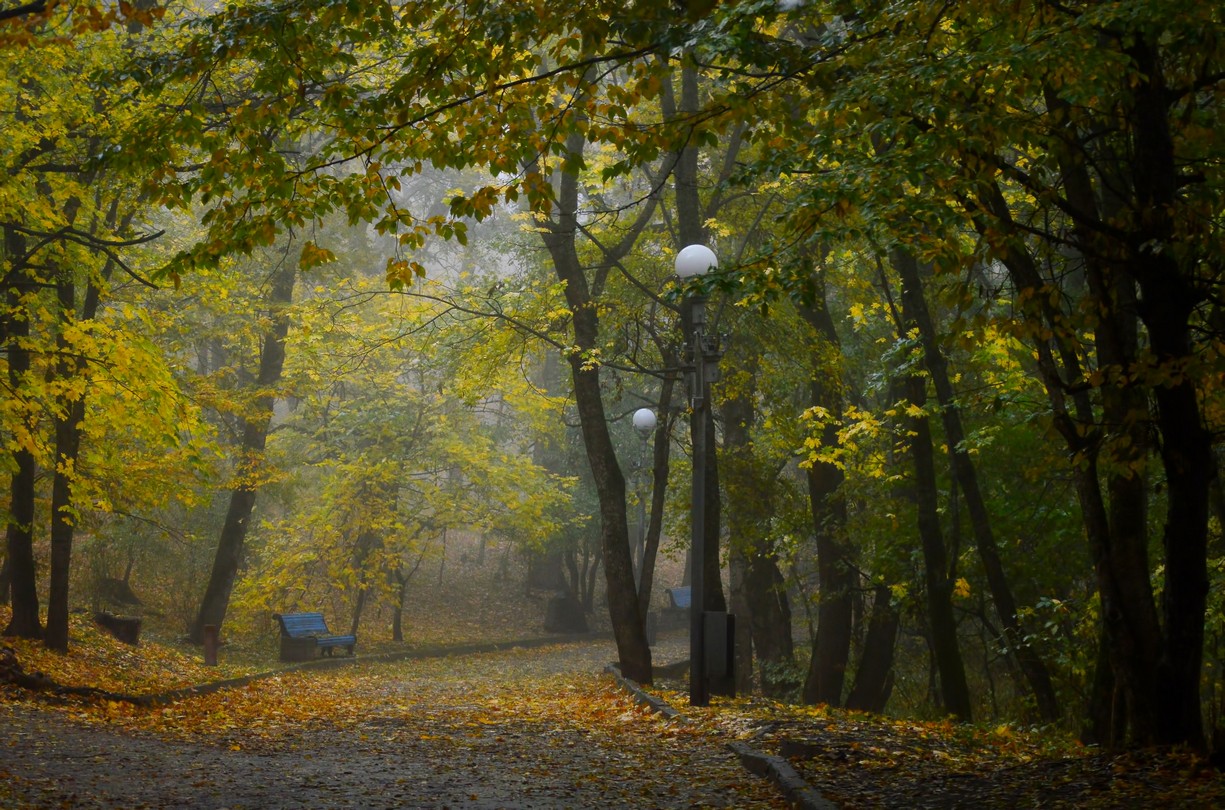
(521, 728)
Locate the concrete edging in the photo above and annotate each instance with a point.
(795, 790)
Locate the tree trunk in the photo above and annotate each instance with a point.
(69, 417)
(938, 575)
(367, 543)
(1032, 666)
(1117, 545)
(1106, 720)
(1170, 292)
(766, 615)
(874, 678)
(397, 618)
(69, 421)
(559, 237)
(546, 567)
(216, 598)
(402, 579)
(5, 578)
(1116, 525)
(25, 621)
(831, 652)
(660, 454)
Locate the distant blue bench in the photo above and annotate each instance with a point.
(302, 634)
(680, 598)
(672, 616)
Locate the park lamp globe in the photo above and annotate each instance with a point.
(644, 421)
(695, 260)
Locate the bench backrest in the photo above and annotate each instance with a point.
(681, 597)
(302, 625)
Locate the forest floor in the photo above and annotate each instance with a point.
(541, 726)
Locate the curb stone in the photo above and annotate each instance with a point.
(785, 777)
(642, 696)
(795, 790)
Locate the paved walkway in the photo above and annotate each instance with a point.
(519, 729)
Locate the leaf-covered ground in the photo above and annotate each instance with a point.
(862, 760)
(521, 728)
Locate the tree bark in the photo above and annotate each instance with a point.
(1117, 541)
(546, 567)
(216, 600)
(25, 621)
(1170, 292)
(874, 677)
(937, 574)
(1032, 666)
(68, 420)
(766, 614)
(835, 615)
(660, 455)
(5, 578)
(559, 237)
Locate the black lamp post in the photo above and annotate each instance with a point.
(691, 262)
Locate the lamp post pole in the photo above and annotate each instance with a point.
(692, 261)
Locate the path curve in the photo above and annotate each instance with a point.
(481, 731)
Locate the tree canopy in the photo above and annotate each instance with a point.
(344, 255)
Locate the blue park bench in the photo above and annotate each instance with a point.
(679, 598)
(672, 616)
(302, 634)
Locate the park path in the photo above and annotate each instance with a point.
(539, 728)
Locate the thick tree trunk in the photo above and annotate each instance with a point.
(770, 623)
(874, 677)
(25, 621)
(1107, 712)
(1117, 526)
(1032, 666)
(628, 628)
(937, 575)
(1170, 292)
(216, 600)
(1186, 455)
(743, 640)
(835, 616)
(1116, 538)
(68, 421)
